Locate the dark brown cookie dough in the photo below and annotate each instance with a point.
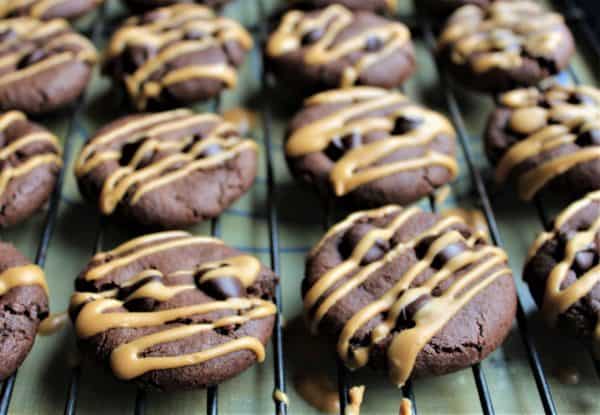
(177, 54)
(371, 146)
(174, 311)
(562, 270)
(168, 169)
(47, 9)
(140, 5)
(547, 139)
(445, 7)
(372, 5)
(23, 304)
(505, 45)
(46, 64)
(408, 291)
(29, 165)
(335, 47)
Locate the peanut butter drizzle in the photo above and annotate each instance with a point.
(9, 172)
(530, 118)
(21, 276)
(102, 311)
(498, 35)
(355, 399)
(33, 8)
(333, 20)
(53, 323)
(280, 396)
(558, 300)
(405, 407)
(243, 119)
(430, 318)
(54, 37)
(158, 132)
(166, 39)
(472, 217)
(364, 164)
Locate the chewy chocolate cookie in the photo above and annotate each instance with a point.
(408, 291)
(23, 304)
(443, 8)
(140, 5)
(562, 270)
(174, 311)
(47, 9)
(505, 45)
(370, 145)
(45, 65)
(335, 47)
(177, 54)
(169, 169)
(547, 139)
(30, 160)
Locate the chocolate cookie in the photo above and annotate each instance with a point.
(504, 45)
(335, 47)
(177, 54)
(445, 7)
(174, 311)
(547, 139)
(168, 169)
(30, 161)
(372, 5)
(140, 5)
(372, 146)
(408, 291)
(562, 270)
(23, 304)
(45, 65)
(47, 9)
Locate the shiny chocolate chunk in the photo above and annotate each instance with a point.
(223, 288)
(353, 237)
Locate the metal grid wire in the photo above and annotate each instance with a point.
(574, 16)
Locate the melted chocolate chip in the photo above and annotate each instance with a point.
(584, 260)
(353, 237)
(223, 288)
(338, 146)
(194, 34)
(373, 44)
(580, 99)
(312, 36)
(402, 125)
(34, 57)
(7, 35)
(423, 246)
(589, 138)
(211, 150)
(447, 253)
(128, 152)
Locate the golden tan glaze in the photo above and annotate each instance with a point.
(547, 127)
(8, 172)
(34, 8)
(499, 35)
(166, 38)
(487, 264)
(54, 37)
(102, 311)
(53, 323)
(558, 300)
(364, 164)
(165, 132)
(21, 276)
(334, 20)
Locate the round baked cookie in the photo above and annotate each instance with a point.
(177, 54)
(47, 9)
(46, 65)
(174, 311)
(562, 270)
(547, 139)
(408, 291)
(140, 5)
(371, 146)
(169, 169)
(445, 7)
(505, 45)
(30, 160)
(335, 47)
(372, 5)
(23, 304)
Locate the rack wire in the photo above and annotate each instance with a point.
(574, 15)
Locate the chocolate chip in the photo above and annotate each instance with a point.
(223, 288)
(373, 44)
(338, 146)
(583, 261)
(35, 56)
(211, 150)
(447, 253)
(353, 237)
(128, 152)
(402, 125)
(313, 36)
(194, 34)
(7, 35)
(423, 246)
(581, 99)
(589, 138)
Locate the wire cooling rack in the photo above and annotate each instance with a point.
(421, 27)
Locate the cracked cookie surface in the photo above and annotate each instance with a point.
(168, 169)
(23, 304)
(409, 292)
(370, 146)
(174, 311)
